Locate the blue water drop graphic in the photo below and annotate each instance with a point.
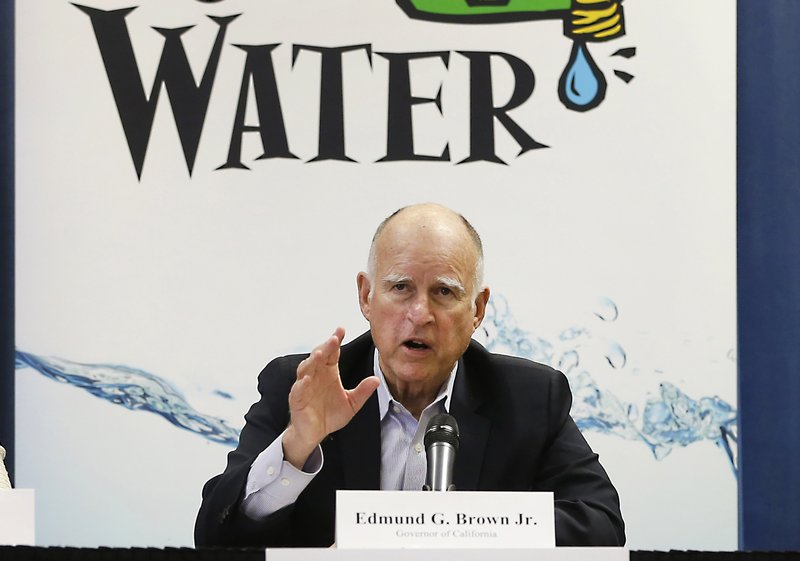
(615, 355)
(606, 309)
(582, 85)
(568, 361)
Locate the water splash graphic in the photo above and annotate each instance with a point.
(671, 420)
(134, 389)
(582, 85)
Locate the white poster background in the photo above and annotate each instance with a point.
(201, 280)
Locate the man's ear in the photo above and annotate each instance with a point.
(364, 287)
(480, 307)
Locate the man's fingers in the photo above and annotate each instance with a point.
(330, 348)
(308, 365)
(339, 333)
(297, 395)
(324, 355)
(360, 394)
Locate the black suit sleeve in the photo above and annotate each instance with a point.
(220, 521)
(586, 504)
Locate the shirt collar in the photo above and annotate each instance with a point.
(385, 397)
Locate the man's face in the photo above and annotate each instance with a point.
(423, 307)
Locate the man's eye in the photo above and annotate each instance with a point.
(444, 291)
(400, 286)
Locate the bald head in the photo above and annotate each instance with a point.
(429, 220)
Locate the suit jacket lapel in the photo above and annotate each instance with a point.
(473, 429)
(360, 440)
(360, 444)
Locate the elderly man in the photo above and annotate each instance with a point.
(320, 424)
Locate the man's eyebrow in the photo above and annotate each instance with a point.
(453, 284)
(394, 278)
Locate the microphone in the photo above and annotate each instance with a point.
(441, 445)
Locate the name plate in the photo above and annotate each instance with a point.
(446, 520)
(547, 554)
(17, 517)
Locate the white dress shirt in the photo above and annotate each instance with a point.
(273, 483)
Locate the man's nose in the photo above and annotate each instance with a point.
(419, 311)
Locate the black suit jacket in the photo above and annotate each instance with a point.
(516, 435)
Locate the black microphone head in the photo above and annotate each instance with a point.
(442, 428)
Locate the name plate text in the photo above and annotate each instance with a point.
(455, 519)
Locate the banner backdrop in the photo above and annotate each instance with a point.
(198, 183)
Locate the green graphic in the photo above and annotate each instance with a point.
(582, 85)
(471, 8)
(533, 8)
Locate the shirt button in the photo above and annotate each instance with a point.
(270, 470)
(418, 448)
(284, 482)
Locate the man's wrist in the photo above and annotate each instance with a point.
(296, 450)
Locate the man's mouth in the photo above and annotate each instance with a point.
(415, 344)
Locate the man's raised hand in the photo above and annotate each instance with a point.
(318, 403)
